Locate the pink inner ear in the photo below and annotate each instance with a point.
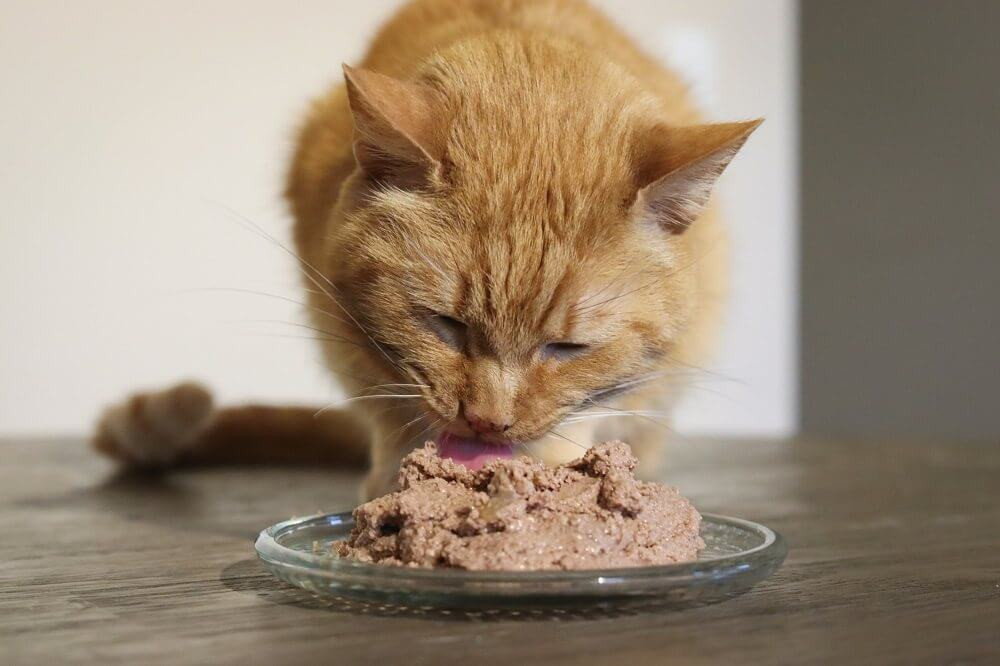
(675, 201)
(680, 168)
(395, 120)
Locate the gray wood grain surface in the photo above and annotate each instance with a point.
(894, 558)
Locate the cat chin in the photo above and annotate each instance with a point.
(471, 452)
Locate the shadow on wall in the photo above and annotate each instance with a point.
(900, 238)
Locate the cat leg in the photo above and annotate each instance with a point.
(648, 442)
(647, 439)
(181, 427)
(381, 477)
(571, 442)
(392, 439)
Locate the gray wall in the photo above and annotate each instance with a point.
(901, 217)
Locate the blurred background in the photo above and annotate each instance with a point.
(136, 134)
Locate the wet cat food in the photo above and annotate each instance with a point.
(590, 513)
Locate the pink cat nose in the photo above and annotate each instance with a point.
(486, 425)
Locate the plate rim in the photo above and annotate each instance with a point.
(274, 554)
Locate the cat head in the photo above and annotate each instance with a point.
(516, 245)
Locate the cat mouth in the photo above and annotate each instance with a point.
(471, 452)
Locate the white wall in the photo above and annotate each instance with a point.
(128, 128)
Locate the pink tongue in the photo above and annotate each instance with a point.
(472, 453)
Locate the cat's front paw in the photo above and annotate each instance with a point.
(151, 430)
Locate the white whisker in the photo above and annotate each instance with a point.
(358, 398)
(302, 262)
(436, 423)
(564, 437)
(279, 297)
(402, 429)
(389, 386)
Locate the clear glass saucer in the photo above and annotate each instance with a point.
(738, 554)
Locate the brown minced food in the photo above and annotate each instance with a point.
(521, 515)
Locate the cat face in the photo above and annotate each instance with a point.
(518, 281)
(510, 327)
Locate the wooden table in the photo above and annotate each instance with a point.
(894, 558)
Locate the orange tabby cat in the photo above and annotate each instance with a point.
(502, 226)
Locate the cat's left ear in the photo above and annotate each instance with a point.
(397, 125)
(677, 167)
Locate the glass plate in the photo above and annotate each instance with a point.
(738, 554)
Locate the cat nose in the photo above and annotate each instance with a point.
(483, 424)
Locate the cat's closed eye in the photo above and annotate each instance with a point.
(562, 351)
(451, 331)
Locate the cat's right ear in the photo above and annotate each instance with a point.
(398, 138)
(678, 166)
